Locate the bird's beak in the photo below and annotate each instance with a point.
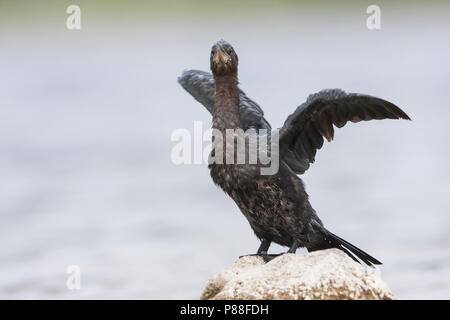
(221, 57)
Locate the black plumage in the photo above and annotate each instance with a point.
(277, 206)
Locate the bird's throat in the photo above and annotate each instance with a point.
(226, 104)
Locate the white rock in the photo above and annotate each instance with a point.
(325, 274)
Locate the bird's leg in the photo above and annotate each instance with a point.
(294, 247)
(264, 247)
(262, 250)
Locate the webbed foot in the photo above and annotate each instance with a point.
(266, 257)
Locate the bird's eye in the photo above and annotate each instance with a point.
(229, 50)
(212, 51)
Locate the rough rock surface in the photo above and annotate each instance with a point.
(326, 274)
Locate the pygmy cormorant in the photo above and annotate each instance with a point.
(277, 206)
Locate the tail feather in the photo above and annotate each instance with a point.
(333, 241)
(347, 246)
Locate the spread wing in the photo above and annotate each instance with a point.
(200, 85)
(303, 132)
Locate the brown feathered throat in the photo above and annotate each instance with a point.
(226, 105)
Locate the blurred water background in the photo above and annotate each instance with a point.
(86, 118)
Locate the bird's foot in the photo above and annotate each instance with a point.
(270, 257)
(265, 256)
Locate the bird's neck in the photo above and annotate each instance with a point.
(226, 105)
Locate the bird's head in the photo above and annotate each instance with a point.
(223, 58)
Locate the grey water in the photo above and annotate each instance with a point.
(86, 176)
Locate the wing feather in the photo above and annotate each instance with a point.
(303, 132)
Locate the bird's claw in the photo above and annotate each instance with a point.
(265, 256)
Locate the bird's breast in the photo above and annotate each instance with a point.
(231, 177)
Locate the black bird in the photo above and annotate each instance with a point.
(277, 206)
